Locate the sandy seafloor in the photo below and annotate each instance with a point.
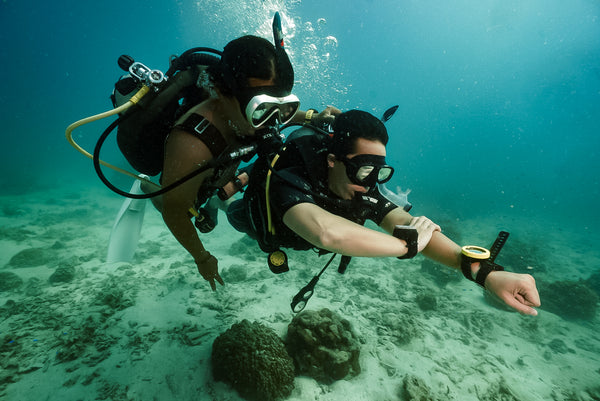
(144, 330)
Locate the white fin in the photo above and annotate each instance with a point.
(126, 231)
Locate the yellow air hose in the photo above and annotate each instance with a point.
(69, 132)
(134, 100)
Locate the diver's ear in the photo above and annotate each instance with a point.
(330, 160)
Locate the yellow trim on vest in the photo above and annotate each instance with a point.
(270, 226)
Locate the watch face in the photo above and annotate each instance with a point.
(475, 252)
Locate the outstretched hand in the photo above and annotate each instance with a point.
(517, 290)
(209, 270)
(327, 116)
(425, 229)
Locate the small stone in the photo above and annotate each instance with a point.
(62, 274)
(9, 281)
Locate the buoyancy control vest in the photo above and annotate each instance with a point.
(301, 150)
(301, 164)
(143, 129)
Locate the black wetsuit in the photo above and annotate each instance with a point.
(299, 175)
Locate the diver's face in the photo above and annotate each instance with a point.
(339, 183)
(243, 126)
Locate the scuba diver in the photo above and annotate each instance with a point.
(226, 110)
(250, 93)
(251, 84)
(318, 191)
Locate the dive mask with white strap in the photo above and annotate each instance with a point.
(268, 104)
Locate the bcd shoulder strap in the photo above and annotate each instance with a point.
(141, 135)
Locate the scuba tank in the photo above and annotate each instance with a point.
(137, 95)
(148, 103)
(143, 129)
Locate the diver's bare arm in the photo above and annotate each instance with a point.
(397, 216)
(517, 290)
(440, 248)
(336, 234)
(318, 119)
(443, 250)
(179, 161)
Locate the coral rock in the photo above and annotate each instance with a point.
(323, 346)
(252, 359)
(62, 274)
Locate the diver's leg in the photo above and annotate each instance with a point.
(157, 201)
(237, 215)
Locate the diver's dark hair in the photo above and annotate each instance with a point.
(246, 57)
(354, 124)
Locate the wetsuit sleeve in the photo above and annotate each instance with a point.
(381, 208)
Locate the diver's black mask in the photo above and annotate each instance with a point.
(367, 170)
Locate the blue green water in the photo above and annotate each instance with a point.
(499, 100)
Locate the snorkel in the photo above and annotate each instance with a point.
(285, 71)
(269, 108)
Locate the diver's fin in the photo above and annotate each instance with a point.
(125, 233)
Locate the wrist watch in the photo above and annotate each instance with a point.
(472, 254)
(411, 236)
(308, 116)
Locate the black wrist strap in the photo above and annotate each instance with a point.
(411, 236)
(465, 266)
(485, 268)
(471, 254)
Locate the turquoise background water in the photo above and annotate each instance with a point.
(499, 100)
(496, 129)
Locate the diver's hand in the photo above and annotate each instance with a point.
(326, 117)
(425, 229)
(209, 269)
(517, 290)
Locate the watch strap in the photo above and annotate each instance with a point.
(309, 115)
(410, 236)
(486, 267)
(465, 267)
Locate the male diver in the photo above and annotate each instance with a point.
(319, 190)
